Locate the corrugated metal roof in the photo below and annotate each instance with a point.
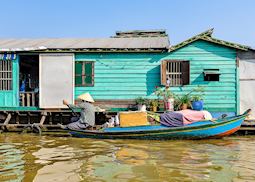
(84, 43)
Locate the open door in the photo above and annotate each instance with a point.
(56, 80)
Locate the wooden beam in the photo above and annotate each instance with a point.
(6, 122)
(8, 118)
(44, 114)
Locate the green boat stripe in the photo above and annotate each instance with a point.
(163, 131)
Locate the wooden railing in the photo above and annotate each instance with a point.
(27, 99)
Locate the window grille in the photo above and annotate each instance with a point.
(5, 75)
(174, 72)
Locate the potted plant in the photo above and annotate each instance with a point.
(154, 105)
(197, 99)
(141, 103)
(183, 102)
(197, 102)
(167, 96)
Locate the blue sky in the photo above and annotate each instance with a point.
(233, 20)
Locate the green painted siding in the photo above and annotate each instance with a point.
(122, 76)
(10, 98)
(219, 96)
(129, 75)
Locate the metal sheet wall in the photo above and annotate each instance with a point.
(56, 80)
(247, 86)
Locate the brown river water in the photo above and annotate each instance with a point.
(27, 157)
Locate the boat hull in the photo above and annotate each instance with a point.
(198, 130)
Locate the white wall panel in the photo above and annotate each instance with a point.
(247, 86)
(56, 80)
(247, 95)
(247, 69)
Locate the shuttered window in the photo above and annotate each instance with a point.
(5, 75)
(175, 72)
(84, 73)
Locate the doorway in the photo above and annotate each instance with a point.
(29, 80)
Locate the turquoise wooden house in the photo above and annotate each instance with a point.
(213, 64)
(37, 74)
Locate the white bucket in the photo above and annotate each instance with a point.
(141, 107)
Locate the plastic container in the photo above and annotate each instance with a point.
(198, 105)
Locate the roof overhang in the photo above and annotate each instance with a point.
(207, 36)
(22, 49)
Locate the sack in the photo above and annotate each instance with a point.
(134, 118)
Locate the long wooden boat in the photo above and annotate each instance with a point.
(197, 130)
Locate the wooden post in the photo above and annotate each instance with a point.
(61, 117)
(33, 98)
(8, 118)
(28, 99)
(50, 119)
(28, 118)
(44, 114)
(6, 122)
(22, 95)
(17, 117)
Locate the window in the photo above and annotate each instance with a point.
(211, 75)
(174, 72)
(5, 75)
(84, 73)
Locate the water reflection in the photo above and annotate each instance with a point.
(58, 164)
(11, 163)
(34, 158)
(244, 161)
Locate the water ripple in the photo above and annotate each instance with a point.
(34, 158)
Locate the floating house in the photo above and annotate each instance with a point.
(37, 74)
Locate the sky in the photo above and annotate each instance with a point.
(232, 20)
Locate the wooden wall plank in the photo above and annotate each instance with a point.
(129, 75)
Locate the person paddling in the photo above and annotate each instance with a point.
(87, 113)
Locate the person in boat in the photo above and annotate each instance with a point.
(87, 113)
(179, 118)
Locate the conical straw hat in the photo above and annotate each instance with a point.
(86, 97)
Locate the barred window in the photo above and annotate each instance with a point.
(84, 73)
(175, 72)
(5, 75)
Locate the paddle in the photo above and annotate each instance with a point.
(74, 113)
